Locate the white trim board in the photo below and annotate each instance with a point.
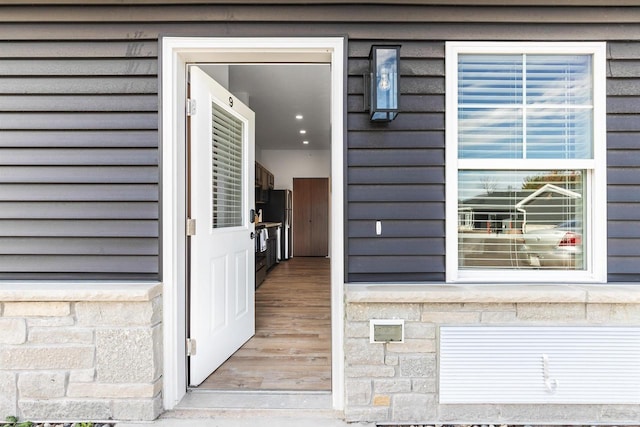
(176, 52)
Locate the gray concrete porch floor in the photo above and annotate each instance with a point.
(204, 408)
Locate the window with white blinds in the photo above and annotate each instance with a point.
(525, 161)
(226, 160)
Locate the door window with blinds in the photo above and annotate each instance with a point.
(227, 160)
(526, 162)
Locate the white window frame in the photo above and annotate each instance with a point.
(595, 226)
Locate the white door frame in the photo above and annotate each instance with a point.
(176, 52)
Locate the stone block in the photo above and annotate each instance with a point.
(371, 371)
(465, 414)
(498, 317)
(125, 355)
(550, 312)
(391, 360)
(358, 392)
(614, 313)
(435, 306)
(13, 331)
(47, 357)
(98, 390)
(41, 385)
(158, 339)
(377, 414)
(63, 335)
(414, 408)
(418, 366)
(550, 414)
(418, 330)
(37, 309)
(361, 352)
(365, 312)
(396, 385)
(56, 322)
(423, 385)
(137, 409)
(65, 409)
(113, 314)
(357, 330)
(382, 400)
(82, 375)
(599, 313)
(451, 317)
(620, 414)
(8, 394)
(482, 307)
(413, 346)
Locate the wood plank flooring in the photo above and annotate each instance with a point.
(291, 349)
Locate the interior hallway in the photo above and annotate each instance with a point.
(291, 349)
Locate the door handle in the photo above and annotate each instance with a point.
(252, 235)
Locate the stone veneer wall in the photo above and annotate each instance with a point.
(398, 382)
(81, 353)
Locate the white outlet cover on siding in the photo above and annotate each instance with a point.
(531, 364)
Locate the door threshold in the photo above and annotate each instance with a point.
(196, 399)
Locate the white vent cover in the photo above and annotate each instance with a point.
(539, 365)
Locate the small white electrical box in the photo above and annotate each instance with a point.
(386, 330)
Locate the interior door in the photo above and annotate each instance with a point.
(311, 216)
(222, 251)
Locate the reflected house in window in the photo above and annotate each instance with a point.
(549, 206)
(519, 211)
(494, 212)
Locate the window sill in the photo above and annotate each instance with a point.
(507, 293)
(79, 291)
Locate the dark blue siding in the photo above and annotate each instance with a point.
(79, 158)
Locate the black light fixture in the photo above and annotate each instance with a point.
(384, 63)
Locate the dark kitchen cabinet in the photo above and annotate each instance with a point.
(272, 247)
(264, 183)
(266, 259)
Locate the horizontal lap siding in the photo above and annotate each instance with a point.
(79, 159)
(396, 171)
(79, 110)
(623, 158)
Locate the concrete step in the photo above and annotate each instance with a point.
(251, 409)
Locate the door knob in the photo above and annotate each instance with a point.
(252, 235)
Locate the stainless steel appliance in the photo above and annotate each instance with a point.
(279, 210)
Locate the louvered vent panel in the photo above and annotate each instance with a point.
(540, 365)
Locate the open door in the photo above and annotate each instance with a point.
(222, 251)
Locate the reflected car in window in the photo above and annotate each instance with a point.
(558, 247)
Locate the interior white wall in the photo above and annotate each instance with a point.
(288, 164)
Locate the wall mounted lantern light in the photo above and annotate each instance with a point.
(384, 63)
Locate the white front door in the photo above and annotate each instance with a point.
(222, 251)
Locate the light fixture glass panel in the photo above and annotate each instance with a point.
(384, 82)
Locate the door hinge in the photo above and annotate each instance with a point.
(191, 107)
(191, 347)
(191, 227)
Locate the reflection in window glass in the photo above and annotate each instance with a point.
(521, 219)
(559, 79)
(554, 133)
(490, 133)
(525, 106)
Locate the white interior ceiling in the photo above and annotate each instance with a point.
(279, 92)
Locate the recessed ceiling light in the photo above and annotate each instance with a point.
(298, 116)
(302, 131)
(305, 142)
